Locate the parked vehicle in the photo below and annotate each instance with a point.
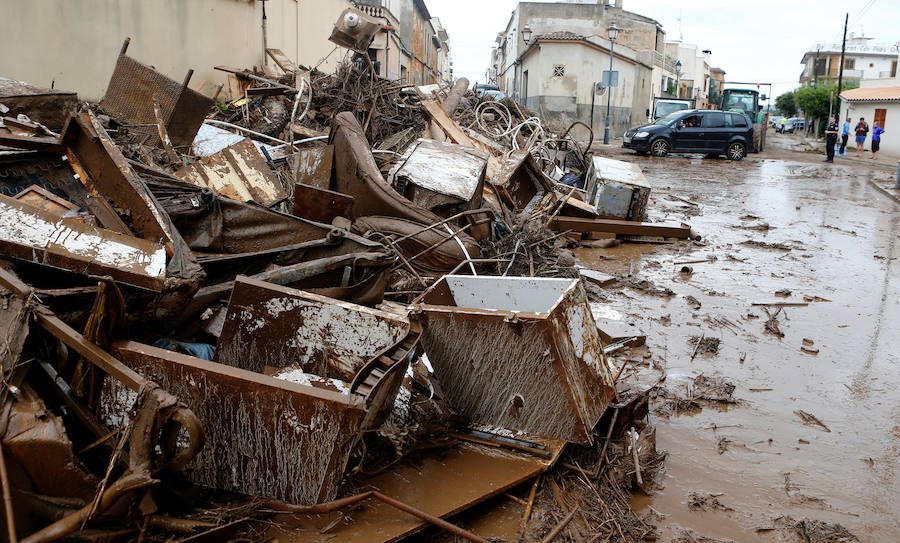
(694, 131)
(775, 121)
(795, 124)
(664, 106)
(492, 95)
(481, 88)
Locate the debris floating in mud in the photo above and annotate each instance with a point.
(771, 325)
(693, 302)
(714, 389)
(818, 531)
(705, 344)
(783, 293)
(706, 502)
(767, 245)
(811, 420)
(690, 536)
(807, 346)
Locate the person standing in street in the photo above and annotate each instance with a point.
(877, 131)
(783, 122)
(845, 135)
(861, 130)
(831, 134)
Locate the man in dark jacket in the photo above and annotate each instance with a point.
(831, 134)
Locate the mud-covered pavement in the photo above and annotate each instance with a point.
(778, 221)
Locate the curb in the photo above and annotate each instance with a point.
(885, 191)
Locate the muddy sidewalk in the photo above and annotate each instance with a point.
(797, 280)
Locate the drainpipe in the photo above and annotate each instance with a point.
(264, 36)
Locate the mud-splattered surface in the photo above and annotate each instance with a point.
(780, 220)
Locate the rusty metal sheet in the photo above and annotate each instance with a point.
(313, 166)
(517, 353)
(106, 173)
(37, 440)
(520, 182)
(264, 436)
(50, 107)
(357, 175)
(279, 326)
(129, 98)
(320, 205)
(442, 177)
(42, 237)
(443, 484)
(238, 172)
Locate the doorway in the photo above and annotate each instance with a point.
(880, 115)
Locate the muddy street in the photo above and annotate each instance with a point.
(779, 228)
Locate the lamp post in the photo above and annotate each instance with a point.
(677, 78)
(613, 34)
(526, 37)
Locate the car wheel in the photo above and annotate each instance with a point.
(736, 151)
(660, 147)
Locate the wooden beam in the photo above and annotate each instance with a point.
(621, 227)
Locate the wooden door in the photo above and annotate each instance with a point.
(880, 114)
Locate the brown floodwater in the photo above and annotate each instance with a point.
(830, 236)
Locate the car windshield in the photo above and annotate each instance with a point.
(739, 102)
(665, 108)
(670, 119)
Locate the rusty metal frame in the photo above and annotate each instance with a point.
(551, 360)
(129, 98)
(291, 441)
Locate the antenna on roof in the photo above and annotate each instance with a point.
(680, 33)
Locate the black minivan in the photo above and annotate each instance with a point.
(694, 131)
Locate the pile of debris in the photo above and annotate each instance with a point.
(258, 307)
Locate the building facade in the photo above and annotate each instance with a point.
(558, 73)
(579, 28)
(875, 100)
(82, 39)
(863, 59)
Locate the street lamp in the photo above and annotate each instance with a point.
(613, 34)
(677, 78)
(526, 34)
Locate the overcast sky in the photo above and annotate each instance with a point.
(754, 40)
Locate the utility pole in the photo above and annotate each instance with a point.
(816, 68)
(841, 70)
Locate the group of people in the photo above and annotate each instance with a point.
(861, 130)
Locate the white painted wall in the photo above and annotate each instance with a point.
(890, 140)
(75, 43)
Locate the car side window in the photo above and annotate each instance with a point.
(738, 121)
(692, 121)
(714, 120)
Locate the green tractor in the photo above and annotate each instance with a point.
(747, 101)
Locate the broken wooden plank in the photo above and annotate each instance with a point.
(281, 60)
(621, 227)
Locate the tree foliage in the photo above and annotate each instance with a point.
(786, 104)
